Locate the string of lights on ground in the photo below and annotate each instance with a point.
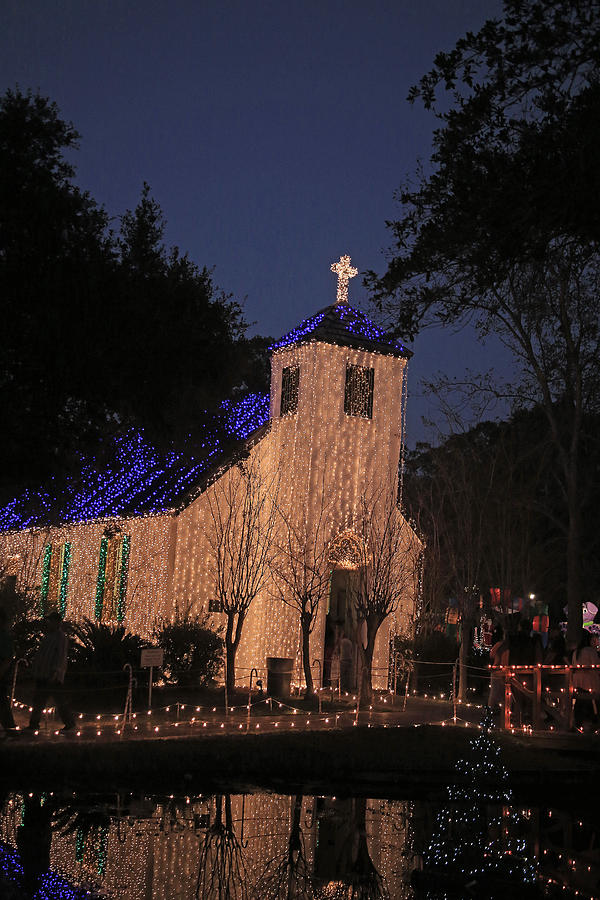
(262, 714)
(270, 713)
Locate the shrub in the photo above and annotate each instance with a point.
(102, 648)
(431, 649)
(193, 651)
(22, 614)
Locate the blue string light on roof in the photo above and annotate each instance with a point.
(300, 332)
(140, 480)
(245, 416)
(339, 319)
(357, 323)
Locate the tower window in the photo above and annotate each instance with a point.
(358, 396)
(290, 379)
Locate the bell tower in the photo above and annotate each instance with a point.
(336, 406)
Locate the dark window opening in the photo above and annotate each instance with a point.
(358, 396)
(215, 605)
(290, 379)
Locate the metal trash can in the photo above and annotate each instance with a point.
(279, 676)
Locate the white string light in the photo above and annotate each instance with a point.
(344, 272)
(319, 447)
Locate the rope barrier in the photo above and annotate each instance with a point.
(145, 722)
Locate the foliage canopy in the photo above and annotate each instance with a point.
(503, 232)
(102, 329)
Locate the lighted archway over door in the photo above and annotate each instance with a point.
(345, 558)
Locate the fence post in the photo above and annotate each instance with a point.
(317, 662)
(507, 698)
(252, 673)
(128, 698)
(570, 697)
(454, 668)
(537, 699)
(408, 674)
(14, 680)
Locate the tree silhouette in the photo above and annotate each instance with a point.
(287, 876)
(388, 553)
(221, 867)
(300, 568)
(358, 877)
(242, 518)
(503, 233)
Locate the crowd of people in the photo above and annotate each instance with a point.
(523, 647)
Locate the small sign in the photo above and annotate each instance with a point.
(152, 656)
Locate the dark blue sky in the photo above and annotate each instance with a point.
(273, 134)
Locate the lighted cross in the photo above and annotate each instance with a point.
(344, 272)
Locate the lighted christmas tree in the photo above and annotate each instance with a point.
(476, 849)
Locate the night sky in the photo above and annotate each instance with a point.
(273, 134)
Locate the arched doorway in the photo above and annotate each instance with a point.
(340, 657)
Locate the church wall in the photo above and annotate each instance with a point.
(343, 459)
(321, 462)
(325, 462)
(146, 598)
(270, 628)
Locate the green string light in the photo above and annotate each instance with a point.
(125, 546)
(45, 579)
(102, 849)
(79, 844)
(64, 579)
(101, 580)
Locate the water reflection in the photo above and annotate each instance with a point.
(267, 847)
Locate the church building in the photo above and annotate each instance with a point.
(137, 544)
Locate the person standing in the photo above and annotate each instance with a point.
(586, 681)
(7, 654)
(346, 664)
(335, 662)
(498, 657)
(524, 650)
(49, 668)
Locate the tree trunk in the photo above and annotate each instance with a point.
(366, 691)
(368, 879)
(366, 653)
(233, 634)
(306, 622)
(295, 841)
(230, 651)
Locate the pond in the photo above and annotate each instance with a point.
(145, 846)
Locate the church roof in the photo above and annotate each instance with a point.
(345, 326)
(140, 480)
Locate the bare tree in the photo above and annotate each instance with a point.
(287, 876)
(388, 551)
(357, 877)
(242, 506)
(477, 499)
(300, 570)
(221, 868)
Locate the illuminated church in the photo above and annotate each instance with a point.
(131, 544)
